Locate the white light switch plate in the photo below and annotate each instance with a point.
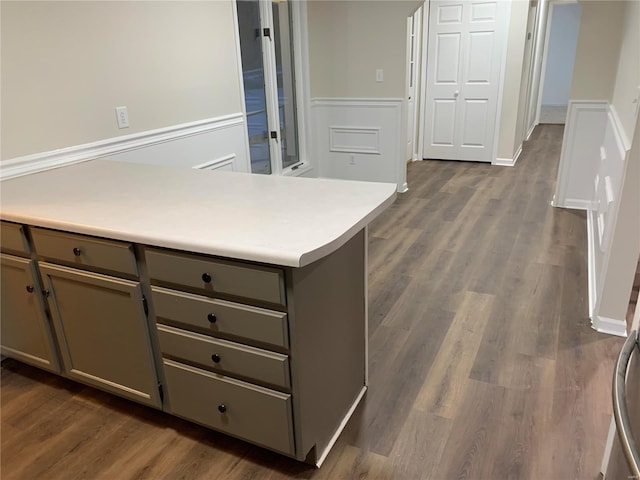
(122, 116)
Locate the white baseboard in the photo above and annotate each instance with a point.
(359, 139)
(576, 204)
(530, 131)
(508, 162)
(609, 325)
(187, 144)
(340, 428)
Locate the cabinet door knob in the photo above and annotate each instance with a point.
(212, 317)
(45, 293)
(30, 288)
(77, 251)
(206, 278)
(222, 408)
(216, 358)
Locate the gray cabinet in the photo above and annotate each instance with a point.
(102, 331)
(273, 355)
(25, 333)
(99, 318)
(225, 363)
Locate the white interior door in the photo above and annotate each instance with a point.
(464, 60)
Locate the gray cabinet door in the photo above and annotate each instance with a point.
(25, 332)
(103, 332)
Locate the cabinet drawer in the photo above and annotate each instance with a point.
(12, 238)
(82, 251)
(212, 317)
(250, 412)
(225, 357)
(217, 276)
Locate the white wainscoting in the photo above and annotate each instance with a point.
(580, 155)
(219, 142)
(606, 189)
(359, 139)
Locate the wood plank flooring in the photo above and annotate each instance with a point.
(482, 361)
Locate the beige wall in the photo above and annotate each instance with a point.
(508, 144)
(349, 40)
(67, 65)
(626, 93)
(594, 71)
(625, 245)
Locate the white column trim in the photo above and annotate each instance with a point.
(611, 326)
(508, 162)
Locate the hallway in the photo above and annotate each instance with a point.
(482, 362)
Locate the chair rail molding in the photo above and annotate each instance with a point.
(360, 139)
(187, 144)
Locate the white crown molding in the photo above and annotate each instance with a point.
(38, 162)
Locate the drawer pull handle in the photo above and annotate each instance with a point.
(206, 278)
(30, 288)
(222, 408)
(77, 251)
(216, 358)
(212, 317)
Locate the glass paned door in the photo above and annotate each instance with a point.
(268, 66)
(285, 82)
(253, 77)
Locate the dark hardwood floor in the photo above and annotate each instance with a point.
(482, 361)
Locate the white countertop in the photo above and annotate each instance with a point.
(277, 220)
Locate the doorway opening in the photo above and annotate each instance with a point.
(558, 59)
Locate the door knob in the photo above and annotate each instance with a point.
(30, 288)
(455, 94)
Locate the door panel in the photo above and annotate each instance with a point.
(464, 60)
(25, 331)
(102, 331)
(483, 12)
(449, 14)
(444, 119)
(474, 121)
(447, 58)
(478, 65)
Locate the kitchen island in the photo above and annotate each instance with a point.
(232, 300)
